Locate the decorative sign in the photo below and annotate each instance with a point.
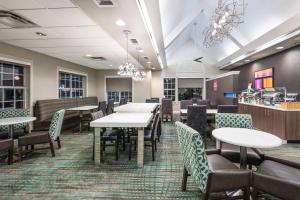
(215, 85)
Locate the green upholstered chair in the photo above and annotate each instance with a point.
(19, 129)
(211, 172)
(43, 137)
(232, 152)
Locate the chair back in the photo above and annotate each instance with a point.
(11, 112)
(185, 103)
(102, 106)
(154, 126)
(110, 107)
(233, 120)
(166, 106)
(193, 153)
(150, 101)
(122, 101)
(97, 115)
(56, 123)
(227, 109)
(197, 119)
(125, 100)
(155, 99)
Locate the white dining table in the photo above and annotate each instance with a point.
(122, 120)
(81, 110)
(11, 121)
(137, 107)
(208, 111)
(246, 138)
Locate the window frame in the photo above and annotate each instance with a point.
(129, 97)
(171, 89)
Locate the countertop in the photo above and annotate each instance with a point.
(270, 107)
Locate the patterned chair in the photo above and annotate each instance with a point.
(211, 172)
(167, 110)
(102, 107)
(8, 146)
(232, 152)
(44, 137)
(19, 129)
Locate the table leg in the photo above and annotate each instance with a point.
(218, 144)
(80, 121)
(11, 130)
(243, 157)
(97, 147)
(140, 153)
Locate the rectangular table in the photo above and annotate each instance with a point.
(137, 107)
(208, 111)
(82, 109)
(122, 120)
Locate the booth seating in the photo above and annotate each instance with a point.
(44, 110)
(19, 129)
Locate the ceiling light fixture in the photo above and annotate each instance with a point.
(227, 16)
(280, 47)
(41, 34)
(127, 68)
(247, 60)
(88, 55)
(120, 22)
(145, 16)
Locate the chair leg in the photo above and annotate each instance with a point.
(117, 149)
(10, 156)
(153, 150)
(103, 147)
(254, 194)
(129, 151)
(20, 152)
(135, 145)
(184, 180)
(123, 137)
(26, 147)
(155, 145)
(101, 152)
(58, 142)
(52, 148)
(205, 196)
(32, 147)
(247, 193)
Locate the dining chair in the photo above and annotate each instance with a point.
(227, 109)
(149, 136)
(8, 146)
(19, 129)
(210, 170)
(150, 101)
(122, 101)
(155, 99)
(196, 119)
(167, 109)
(43, 137)
(277, 177)
(232, 152)
(125, 100)
(111, 135)
(110, 107)
(102, 107)
(184, 105)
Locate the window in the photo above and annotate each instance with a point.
(71, 85)
(169, 88)
(117, 95)
(12, 86)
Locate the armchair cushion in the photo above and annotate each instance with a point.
(34, 138)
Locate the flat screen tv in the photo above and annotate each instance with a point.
(264, 79)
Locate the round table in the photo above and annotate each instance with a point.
(246, 138)
(10, 122)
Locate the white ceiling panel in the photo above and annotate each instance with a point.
(35, 4)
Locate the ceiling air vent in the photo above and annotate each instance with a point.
(15, 21)
(97, 58)
(106, 3)
(134, 41)
(146, 58)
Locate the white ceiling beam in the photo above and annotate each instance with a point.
(181, 26)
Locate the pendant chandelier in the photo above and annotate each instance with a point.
(138, 75)
(227, 16)
(127, 68)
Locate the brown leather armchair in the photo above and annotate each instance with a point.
(277, 177)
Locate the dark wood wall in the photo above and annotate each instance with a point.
(225, 84)
(286, 66)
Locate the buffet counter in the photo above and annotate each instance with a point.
(285, 123)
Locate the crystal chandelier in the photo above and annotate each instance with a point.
(127, 68)
(227, 16)
(138, 75)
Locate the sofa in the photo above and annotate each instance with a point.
(44, 110)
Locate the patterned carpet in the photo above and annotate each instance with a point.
(72, 174)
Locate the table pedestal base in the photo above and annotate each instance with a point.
(243, 157)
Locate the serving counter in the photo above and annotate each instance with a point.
(285, 123)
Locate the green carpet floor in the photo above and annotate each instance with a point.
(73, 175)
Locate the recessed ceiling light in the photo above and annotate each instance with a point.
(247, 60)
(110, 65)
(149, 62)
(139, 49)
(41, 34)
(120, 22)
(88, 55)
(278, 48)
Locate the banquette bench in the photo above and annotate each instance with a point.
(44, 110)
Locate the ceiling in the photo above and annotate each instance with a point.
(76, 28)
(264, 21)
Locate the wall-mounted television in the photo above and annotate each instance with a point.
(264, 78)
